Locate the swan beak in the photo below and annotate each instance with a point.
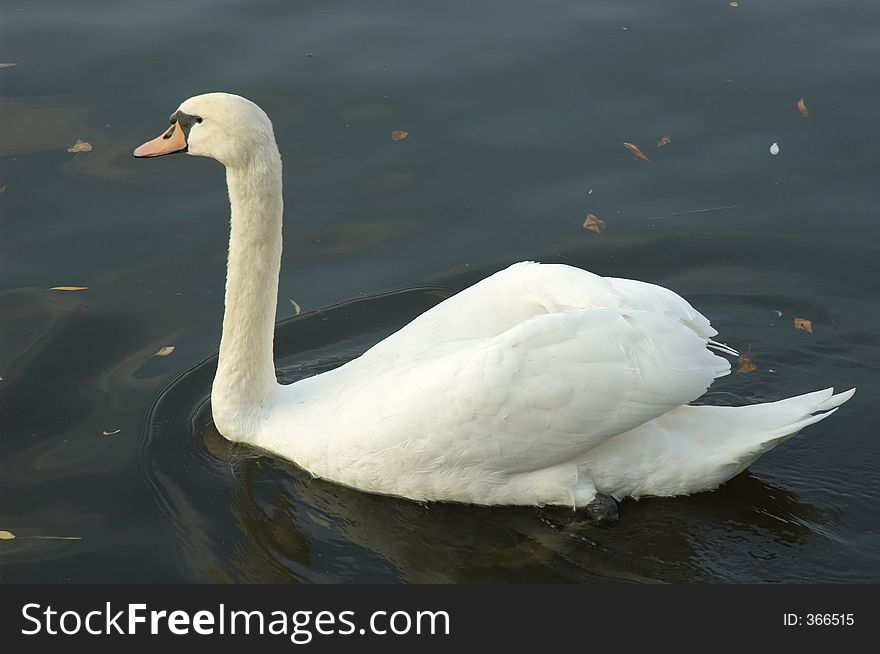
(168, 142)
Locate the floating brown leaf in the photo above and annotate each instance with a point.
(744, 365)
(6, 535)
(111, 433)
(594, 223)
(803, 323)
(80, 146)
(664, 140)
(164, 351)
(296, 308)
(69, 288)
(635, 150)
(399, 134)
(802, 107)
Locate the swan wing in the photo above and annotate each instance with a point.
(540, 393)
(527, 290)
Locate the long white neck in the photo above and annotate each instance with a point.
(245, 379)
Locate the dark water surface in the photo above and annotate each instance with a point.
(516, 113)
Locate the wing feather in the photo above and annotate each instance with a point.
(526, 290)
(546, 390)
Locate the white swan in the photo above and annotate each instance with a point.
(541, 384)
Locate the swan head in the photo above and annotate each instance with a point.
(226, 127)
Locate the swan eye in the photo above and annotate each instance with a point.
(186, 121)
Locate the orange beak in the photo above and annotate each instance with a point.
(168, 142)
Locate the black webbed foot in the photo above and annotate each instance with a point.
(602, 510)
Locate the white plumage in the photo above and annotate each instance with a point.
(541, 384)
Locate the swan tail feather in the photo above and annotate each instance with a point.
(698, 448)
(721, 347)
(783, 419)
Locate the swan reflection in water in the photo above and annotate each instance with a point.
(239, 514)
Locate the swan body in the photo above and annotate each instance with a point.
(541, 384)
